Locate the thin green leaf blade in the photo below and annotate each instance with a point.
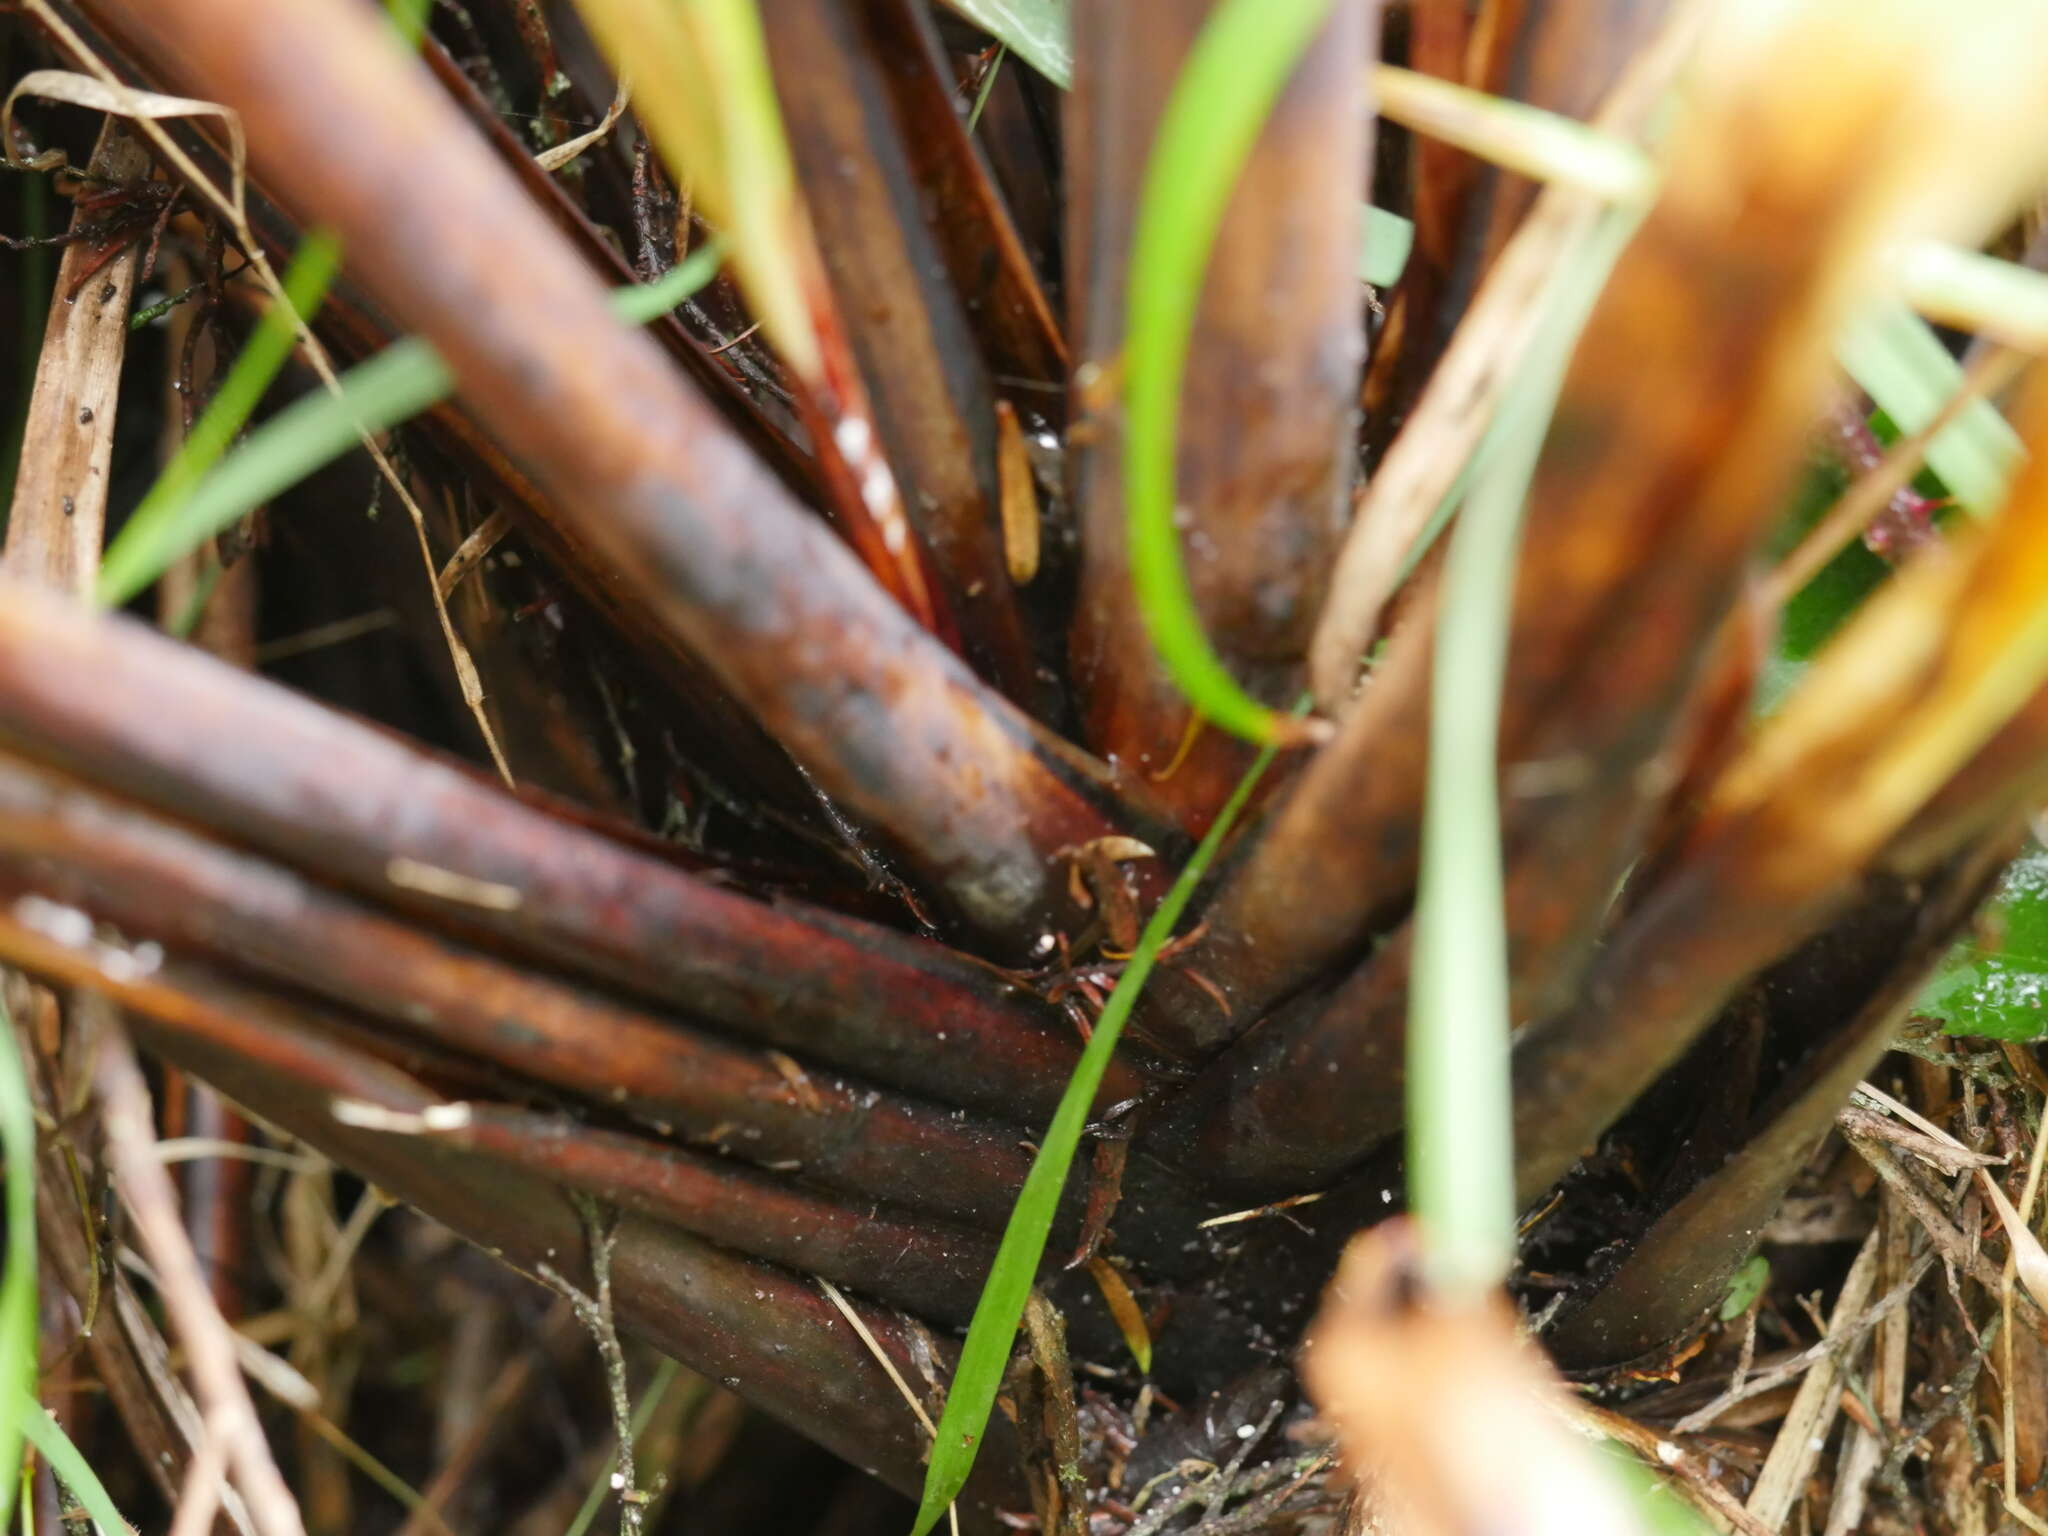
(993, 1328)
(1459, 1093)
(1895, 358)
(397, 384)
(1234, 73)
(18, 1281)
(55, 1447)
(150, 540)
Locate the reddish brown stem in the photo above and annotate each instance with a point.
(762, 1331)
(732, 743)
(925, 1266)
(1265, 447)
(1305, 1095)
(157, 882)
(977, 239)
(1680, 1268)
(658, 489)
(1563, 57)
(126, 708)
(1657, 983)
(906, 325)
(1336, 857)
(1642, 511)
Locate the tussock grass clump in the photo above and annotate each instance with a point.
(1057, 691)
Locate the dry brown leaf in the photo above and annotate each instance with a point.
(74, 89)
(554, 159)
(1018, 500)
(1123, 1306)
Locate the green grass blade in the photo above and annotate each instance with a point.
(49, 1439)
(1460, 1110)
(1976, 292)
(1895, 358)
(145, 543)
(306, 281)
(18, 1281)
(988, 84)
(1037, 31)
(1233, 74)
(400, 382)
(1544, 145)
(1461, 1157)
(994, 1326)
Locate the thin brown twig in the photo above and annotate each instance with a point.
(469, 554)
(1798, 1365)
(595, 1312)
(1952, 1397)
(1945, 1153)
(1047, 1332)
(147, 1192)
(1797, 1445)
(1865, 1446)
(1954, 1247)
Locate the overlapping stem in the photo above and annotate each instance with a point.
(1641, 519)
(158, 882)
(1680, 1267)
(343, 800)
(732, 1318)
(1263, 459)
(655, 485)
(931, 393)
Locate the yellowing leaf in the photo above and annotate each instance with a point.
(701, 84)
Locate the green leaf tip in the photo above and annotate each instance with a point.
(1001, 1307)
(1234, 73)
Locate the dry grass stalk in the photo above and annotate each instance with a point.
(146, 1189)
